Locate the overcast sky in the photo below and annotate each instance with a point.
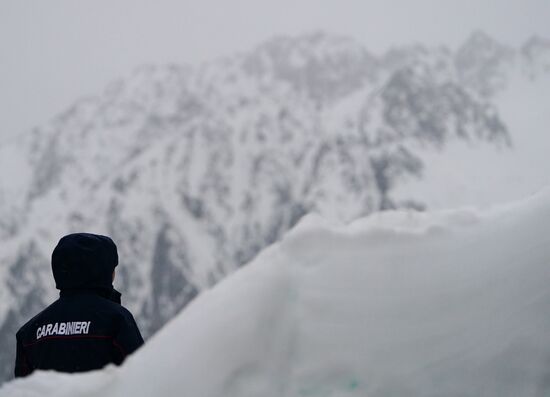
(54, 51)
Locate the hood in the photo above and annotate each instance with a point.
(84, 260)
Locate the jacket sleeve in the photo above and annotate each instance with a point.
(22, 365)
(127, 338)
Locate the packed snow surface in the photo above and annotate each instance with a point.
(448, 303)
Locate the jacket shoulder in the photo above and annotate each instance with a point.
(112, 309)
(124, 314)
(26, 328)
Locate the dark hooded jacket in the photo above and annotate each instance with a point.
(86, 328)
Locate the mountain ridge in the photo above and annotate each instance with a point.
(193, 170)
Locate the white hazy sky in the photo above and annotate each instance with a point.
(54, 51)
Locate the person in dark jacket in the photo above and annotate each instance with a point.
(87, 327)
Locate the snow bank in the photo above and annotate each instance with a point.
(453, 303)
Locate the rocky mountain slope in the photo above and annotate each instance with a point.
(193, 170)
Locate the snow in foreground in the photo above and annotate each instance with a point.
(452, 303)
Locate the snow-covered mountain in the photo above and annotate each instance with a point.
(401, 303)
(193, 170)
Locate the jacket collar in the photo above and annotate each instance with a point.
(111, 294)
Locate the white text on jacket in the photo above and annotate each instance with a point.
(70, 328)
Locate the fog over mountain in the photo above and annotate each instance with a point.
(195, 169)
